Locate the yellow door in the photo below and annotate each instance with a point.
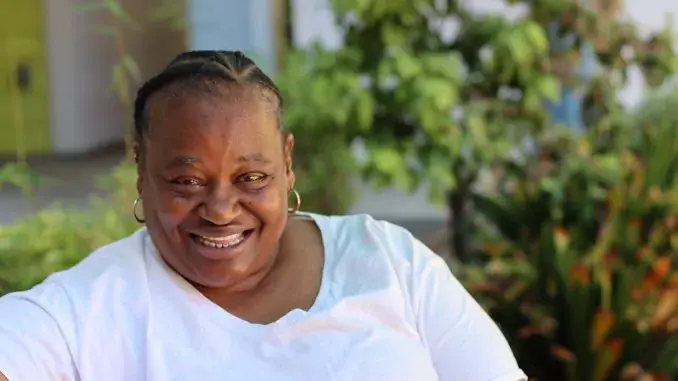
(24, 88)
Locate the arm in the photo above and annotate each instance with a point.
(32, 343)
(464, 342)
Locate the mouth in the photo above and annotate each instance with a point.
(226, 242)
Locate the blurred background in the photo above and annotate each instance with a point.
(533, 144)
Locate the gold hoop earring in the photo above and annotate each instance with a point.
(134, 211)
(298, 205)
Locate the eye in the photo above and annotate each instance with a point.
(254, 182)
(253, 177)
(187, 182)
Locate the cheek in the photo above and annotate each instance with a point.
(269, 204)
(169, 209)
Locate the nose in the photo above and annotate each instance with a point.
(221, 206)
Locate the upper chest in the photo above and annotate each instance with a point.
(360, 337)
(331, 347)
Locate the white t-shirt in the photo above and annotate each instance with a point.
(388, 310)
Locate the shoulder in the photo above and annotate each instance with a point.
(113, 268)
(52, 320)
(119, 261)
(383, 237)
(377, 254)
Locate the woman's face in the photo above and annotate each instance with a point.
(214, 175)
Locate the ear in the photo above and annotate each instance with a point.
(138, 159)
(289, 150)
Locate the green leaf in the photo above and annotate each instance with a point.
(520, 50)
(393, 35)
(667, 359)
(445, 65)
(406, 65)
(120, 84)
(387, 159)
(549, 88)
(90, 6)
(532, 100)
(478, 130)
(499, 213)
(172, 12)
(364, 111)
(132, 68)
(116, 9)
(536, 36)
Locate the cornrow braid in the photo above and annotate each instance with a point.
(202, 67)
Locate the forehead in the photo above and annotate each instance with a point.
(220, 121)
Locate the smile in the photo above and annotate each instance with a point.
(225, 242)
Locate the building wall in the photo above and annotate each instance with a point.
(234, 25)
(85, 113)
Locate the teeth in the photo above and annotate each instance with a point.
(222, 242)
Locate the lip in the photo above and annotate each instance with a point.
(220, 252)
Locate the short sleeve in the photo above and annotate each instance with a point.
(32, 342)
(464, 342)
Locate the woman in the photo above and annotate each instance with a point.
(226, 282)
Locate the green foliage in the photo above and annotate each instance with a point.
(316, 111)
(55, 238)
(20, 175)
(582, 248)
(444, 109)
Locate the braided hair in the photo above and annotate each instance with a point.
(206, 68)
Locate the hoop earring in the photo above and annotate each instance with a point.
(298, 205)
(134, 211)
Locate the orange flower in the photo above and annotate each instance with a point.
(673, 281)
(603, 320)
(667, 307)
(580, 275)
(563, 354)
(615, 346)
(659, 271)
(611, 258)
(528, 331)
(661, 267)
(561, 238)
(643, 253)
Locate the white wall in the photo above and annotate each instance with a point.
(85, 113)
(242, 25)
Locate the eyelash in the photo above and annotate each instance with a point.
(187, 182)
(259, 179)
(193, 182)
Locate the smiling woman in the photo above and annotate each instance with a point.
(227, 281)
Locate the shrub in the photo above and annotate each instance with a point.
(581, 250)
(56, 238)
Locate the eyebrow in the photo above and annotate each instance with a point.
(255, 157)
(190, 161)
(184, 161)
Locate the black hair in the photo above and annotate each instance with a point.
(203, 68)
